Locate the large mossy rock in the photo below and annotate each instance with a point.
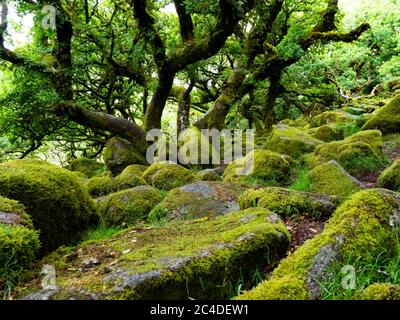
(364, 227)
(120, 153)
(291, 141)
(19, 243)
(330, 178)
(88, 167)
(286, 202)
(197, 200)
(325, 133)
(336, 117)
(381, 291)
(358, 153)
(167, 175)
(260, 164)
(207, 175)
(386, 119)
(60, 208)
(390, 177)
(102, 186)
(125, 208)
(135, 169)
(177, 261)
(302, 123)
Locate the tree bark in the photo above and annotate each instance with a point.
(184, 104)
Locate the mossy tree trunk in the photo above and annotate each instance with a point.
(61, 73)
(273, 64)
(184, 104)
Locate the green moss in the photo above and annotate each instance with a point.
(326, 133)
(337, 117)
(286, 202)
(135, 169)
(88, 167)
(59, 206)
(358, 154)
(101, 186)
(291, 141)
(260, 164)
(359, 229)
(386, 119)
(390, 177)
(127, 207)
(331, 179)
(120, 153)
(166, 263)
(19, 244)
(127, 181)
(167, 175)
(207, 175)
(381, 291)
(302, 123)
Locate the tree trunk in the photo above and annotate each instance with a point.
(184, 102)
(215, 117)
(273, 93)
(152, 118)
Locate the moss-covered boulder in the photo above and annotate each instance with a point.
(286, 202)
(330, 178)
(291, 141)
(336, 117)
(167, 175)
(120, 153)
(381, 291)
(207, 175)
(390, 177)
(60, 208)
(19, 243)
(128, 181)
(259, 164)
(194, 146)
(102, 186)
(361, 229)
(302, 123)
(135, 169)
(89, 167)
(326, 133)
(127, 207)
(359, 153)
(173, 261)
(197, 200)
(386, 119)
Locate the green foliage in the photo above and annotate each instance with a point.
(302, 181)
(102, 232)
(30, 97)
